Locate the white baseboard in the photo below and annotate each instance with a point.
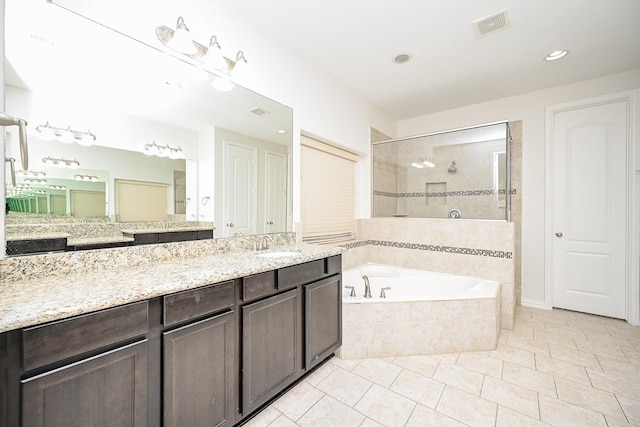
(532, 303)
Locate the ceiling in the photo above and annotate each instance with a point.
(451, 66)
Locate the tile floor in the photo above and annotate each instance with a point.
(557, 368)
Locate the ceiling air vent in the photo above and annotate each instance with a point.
(490, 24)
(258, 111)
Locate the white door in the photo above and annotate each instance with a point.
(239, 183)
(276, 193)
(589, 212)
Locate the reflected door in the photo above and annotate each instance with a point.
(58, 204)
(239, 189)
(589, 209)
(276, 193)
(88, 203)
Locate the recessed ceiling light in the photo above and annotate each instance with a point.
(401, 58)
(282, 131)
(556, 54)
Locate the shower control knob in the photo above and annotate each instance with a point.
(558, 234)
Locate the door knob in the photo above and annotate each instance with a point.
(558, 234)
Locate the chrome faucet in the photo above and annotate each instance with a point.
(265, 244)
(261, 243)
(237, 234)
(367, 287)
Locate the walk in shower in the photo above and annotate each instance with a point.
(463, 173)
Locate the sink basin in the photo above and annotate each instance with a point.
(279, 254)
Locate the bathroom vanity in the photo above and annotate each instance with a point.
(200, 355)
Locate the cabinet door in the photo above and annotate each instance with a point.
(323, 319)
(199, 373)
(105, 390)
(271, 347)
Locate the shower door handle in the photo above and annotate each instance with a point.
(558, 234)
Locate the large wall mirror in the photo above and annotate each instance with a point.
(213, 156)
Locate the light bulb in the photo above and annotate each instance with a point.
(214, 56)
(181, 40)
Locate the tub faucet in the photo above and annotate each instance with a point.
(367, 287)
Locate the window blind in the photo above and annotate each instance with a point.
(328, 192)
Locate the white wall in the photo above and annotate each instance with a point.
(530, 108)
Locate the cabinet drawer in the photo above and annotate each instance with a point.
(258, 285)
(56, 341)
(300, 273)
(198, 302)
(177, 236)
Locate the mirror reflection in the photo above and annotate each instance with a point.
(141, 133)
(457, 174)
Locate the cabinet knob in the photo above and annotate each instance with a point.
(558, 234)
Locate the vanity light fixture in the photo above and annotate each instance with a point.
(66, 135)
(154, 149)
(41, 192)
(556, 54)
(57, 187)
(424, 162)
(209, 55)
(61, 162)
(81, 177)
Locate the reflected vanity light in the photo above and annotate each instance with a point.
(57, 187)
(179, 40)
(35, 180)
(61, 162)
(31, 173)
(66, 135)
(81, 177)
(424, 162)
(154, 149)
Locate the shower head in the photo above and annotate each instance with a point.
(453, 168)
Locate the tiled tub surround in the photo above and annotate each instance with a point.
(423, 313)
(476, 248)
(42, 288)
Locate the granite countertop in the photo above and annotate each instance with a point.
(37, 236)
(29, 302)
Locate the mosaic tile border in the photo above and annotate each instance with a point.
(432, 248)
(462, 193)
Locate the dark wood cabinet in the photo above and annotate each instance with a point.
(271, 347)
(109, 389)
(209, 356)
(198, 373)
(323, 319)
